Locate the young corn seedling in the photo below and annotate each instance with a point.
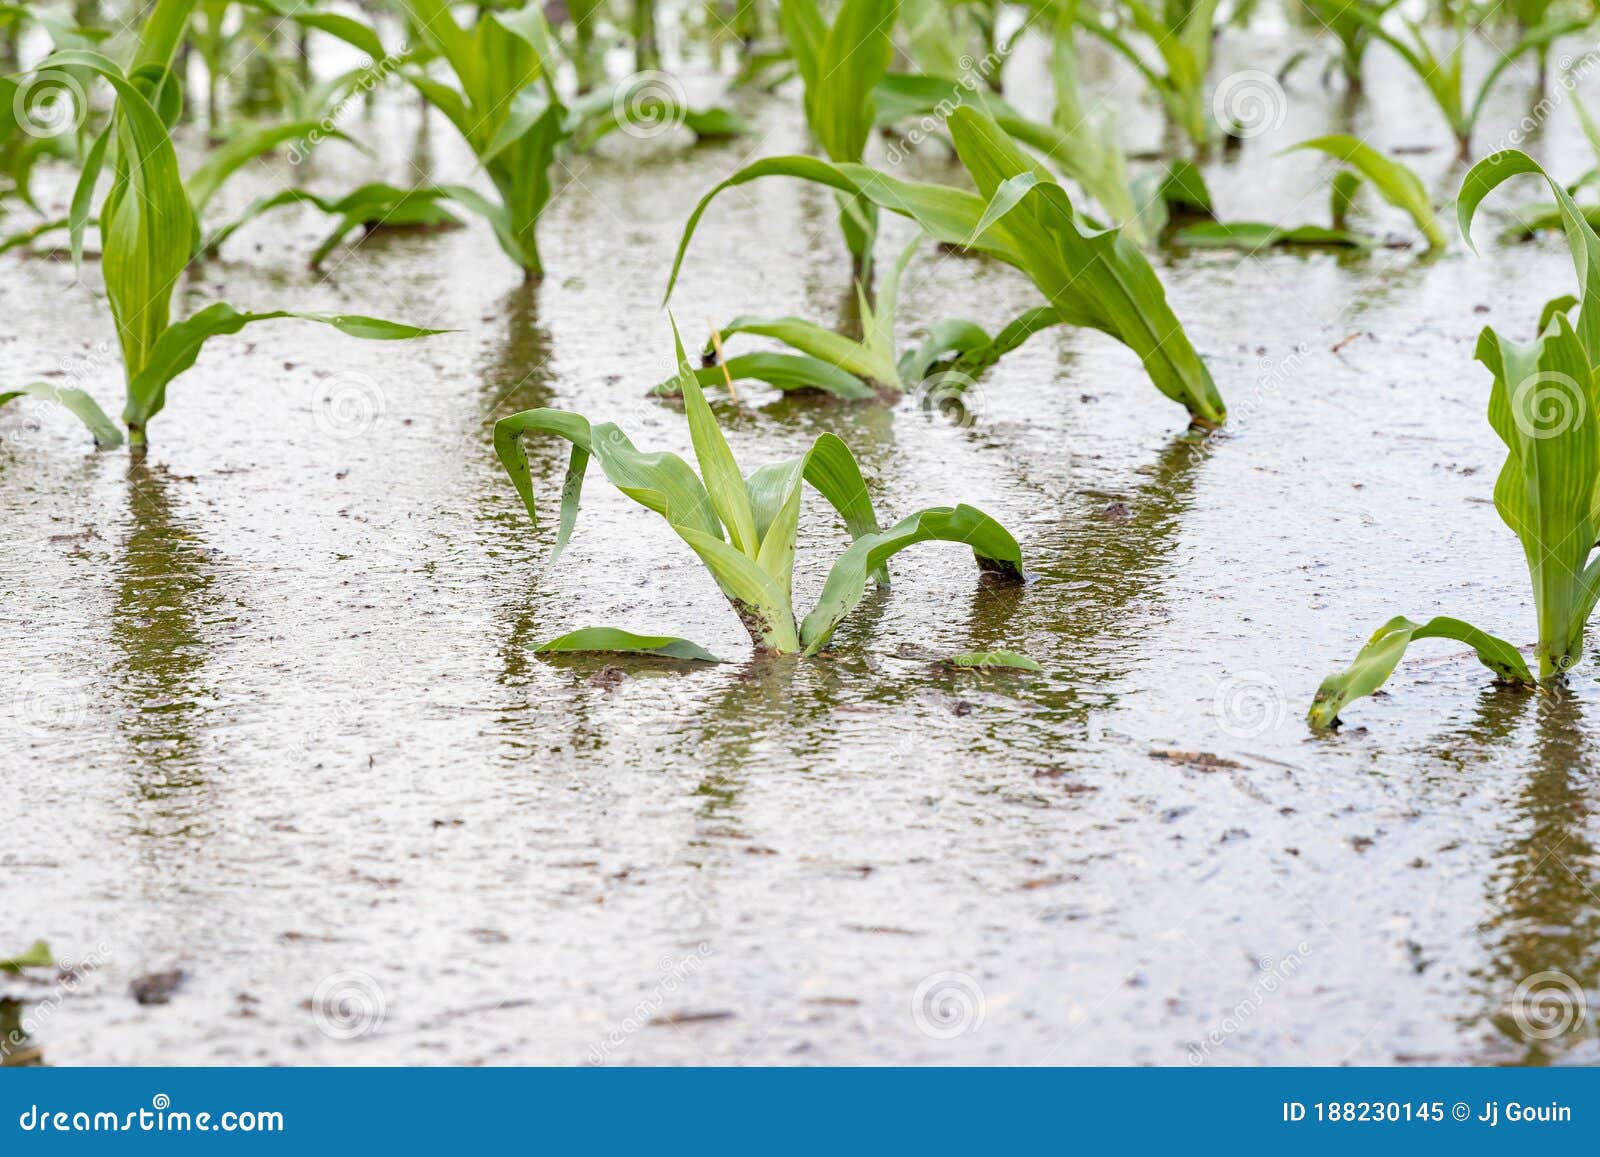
(1395, 182)
(148, 236)
(824, 360)
(1444, 78)
(1545, 406)
(1179, 36)
(1020, 215)
(506, 106)
(1081, 142)
(1352, 33)
(743, 528)
(841, 65)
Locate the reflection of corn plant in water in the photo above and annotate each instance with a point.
(1545, 406)
(1395, 182)
(1093, 278)
(743, 528)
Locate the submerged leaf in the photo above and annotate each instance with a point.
(614, 641)
(1009, 660)
(81, 405)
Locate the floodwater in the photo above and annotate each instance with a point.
(272, 721)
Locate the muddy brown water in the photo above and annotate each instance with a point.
(273, 723)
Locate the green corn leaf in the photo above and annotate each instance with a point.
(147, 228)
(1395, 182)
(785, 372)
(83, 195)
(833, 472)
(987, 660)
(1253, 235)
(1545, 407)
(1095, 278)
(660, 481)
(37, 956)
(967, 348)
(344, 28)
(1582, 241)
(81, 405)
(513, 454)
(613, 641)
(947, 214)
(1377, 661)
(992, 546)
(836, 350)
(179, 344)
(242, 148)
(762, 605)
(718, 467)
(853, 58)
(161, 32)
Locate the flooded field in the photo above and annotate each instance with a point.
(272, 723)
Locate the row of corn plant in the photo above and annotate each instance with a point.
(1020, 215)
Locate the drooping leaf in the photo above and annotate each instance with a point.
(1395, 182)
(1377, 661)
(179, 344)
(992, 546)
(80, 404)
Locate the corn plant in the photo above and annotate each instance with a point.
(742, 528)
(149, 235)
(1179, 36)
(826, 360)
(841, 65)
(1444, 78)
(1394, 181)
(1020, 215)
(1353, 33)
(1545, 406)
